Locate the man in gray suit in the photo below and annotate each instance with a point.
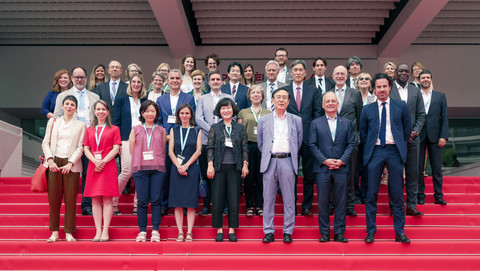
(204, 118)
(279, 139)
(402, 90)
(271, 69)
(86, 99)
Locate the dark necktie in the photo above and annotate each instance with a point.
(234, 90)
(320, 83)
(383, 124)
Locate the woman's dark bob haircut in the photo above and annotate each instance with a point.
(225, 102)
(144, 107)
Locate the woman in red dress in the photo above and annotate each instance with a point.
(102, 142)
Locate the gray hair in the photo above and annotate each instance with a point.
(354, 59)
(272, 62)
(299, 61)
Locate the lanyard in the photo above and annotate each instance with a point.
(183, 142)
(149, 137)
(255, 115)
(189, 86)
(98, 137)
(282, 129)
(229, 131)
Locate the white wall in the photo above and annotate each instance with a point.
(27, 71)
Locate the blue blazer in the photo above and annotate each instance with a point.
(240, 97)
(265, 139)
(166, 108)
(400, 122)
(48, 104)
(122, 115)
(436, 123)
(323, 147)
(103, 91)
(310, 108)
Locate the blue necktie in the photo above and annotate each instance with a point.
(383, 124)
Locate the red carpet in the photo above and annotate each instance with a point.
(445, 238)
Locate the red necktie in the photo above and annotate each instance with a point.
(234, 90)
(299, 98)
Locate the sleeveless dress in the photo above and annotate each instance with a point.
(103, 183)
(184, 189)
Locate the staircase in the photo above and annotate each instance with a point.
(445, 238)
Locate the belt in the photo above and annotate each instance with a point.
(281, 155)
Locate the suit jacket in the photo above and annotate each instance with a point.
(323, 147)
(166, 108)
(122, 115)
(400, 122)
(329, 84)
(75, 146)
(266, 87)
(352, 106)
(204, 116)
(436, 122)
(265, 131)
(348, 81)
(103, 91)
(415, 105)
(240, 97)
(288, 76)
(92, 98)
(310, 107)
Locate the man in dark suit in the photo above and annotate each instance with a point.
(306, 104)
(114, 88)
(320, 81)
(331, 142)
(234, 87)
(168, 104)
(402, 90)
(354, 67)
(433, 137)
(279, 139)
(385, 130)
(350, 107)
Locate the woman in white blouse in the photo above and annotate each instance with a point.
(62, 147)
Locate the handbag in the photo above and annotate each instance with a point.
(39, 179)
(202, 188)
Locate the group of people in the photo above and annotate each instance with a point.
(346, 131)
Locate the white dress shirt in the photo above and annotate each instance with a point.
(403, 91)
(427, 98)
(280, 134)
(388, 132)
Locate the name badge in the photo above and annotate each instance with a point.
(228, 142)
(180, 159)
(97, 155)
(255, 130)
(147, 155)
(172, 119)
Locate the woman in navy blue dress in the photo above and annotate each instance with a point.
(184, 149)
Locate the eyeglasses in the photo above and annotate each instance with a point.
(164, 70)
(283, 56)
(364, 79)
(79, 77)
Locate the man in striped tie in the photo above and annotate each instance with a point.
(271, 70)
